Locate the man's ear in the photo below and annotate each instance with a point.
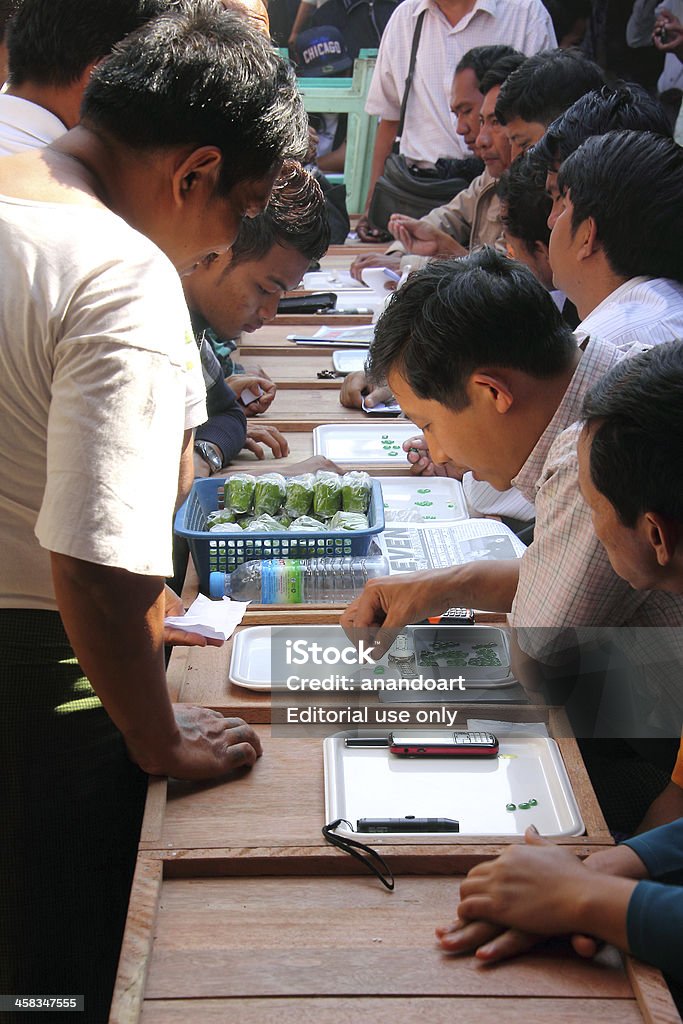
(196, 174)
(489, 388)
(587, 236)
(662, 535)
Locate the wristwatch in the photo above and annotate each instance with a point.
(209, 452)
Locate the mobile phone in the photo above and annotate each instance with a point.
(382, 408)
(408, 824)
(452, 617)
(443, 744)
(248, 396)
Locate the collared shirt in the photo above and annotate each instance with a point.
(25, 125)
(472, 217)
(429, 131)
(648, 310)
(565, 577)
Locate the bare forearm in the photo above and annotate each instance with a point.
(490, 586)
(384, 140)
(114, 620)
(186, 470)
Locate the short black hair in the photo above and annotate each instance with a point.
(52, 42)
(636, 457)
(201, 76)
(295, 217)
(546, 85)
(631, 184)
(454, 316)
(480, 58)
(500, 71)
(8, 8)
(624, 107)
(525, 204)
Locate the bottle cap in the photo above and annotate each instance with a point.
(219, 584)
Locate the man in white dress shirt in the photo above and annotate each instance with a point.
(616, 248)
(450, 28)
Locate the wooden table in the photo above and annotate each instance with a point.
(240, 910)
(272, 340)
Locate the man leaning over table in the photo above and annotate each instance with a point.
(238, 292)
(629, 458)
(96, 345)
(477, 355)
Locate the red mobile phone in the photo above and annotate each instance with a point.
(443, 744)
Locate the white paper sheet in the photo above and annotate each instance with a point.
(212, 619)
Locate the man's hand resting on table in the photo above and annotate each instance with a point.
(422, 238)
(263, 433)
(506, 908)
(361, 263)
(205, 746)
(355, 387)
(181, 637)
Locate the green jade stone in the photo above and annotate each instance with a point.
(532, 802)
(524, 807)
(511, 807)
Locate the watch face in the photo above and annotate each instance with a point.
(209, 455)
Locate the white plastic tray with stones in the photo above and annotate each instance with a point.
(411, 499)
(364, 444)
(349, 362)
(372, 783)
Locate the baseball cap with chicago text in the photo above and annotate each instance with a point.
(320, 52)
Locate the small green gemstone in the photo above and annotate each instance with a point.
(392, 453)
(424, 490)
(524, 807)
(384, 436)
(379, 670)
(533, 802)
(511, 807)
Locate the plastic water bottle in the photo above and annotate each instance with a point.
(298, 580)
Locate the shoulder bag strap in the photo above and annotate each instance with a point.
(409, 78)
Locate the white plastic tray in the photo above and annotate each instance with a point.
(372, 783)
(251, 663)
(423, 499)
(364, 443)
(349, 362)
(331, 281)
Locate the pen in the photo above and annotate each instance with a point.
(392, 275)
(366, 741)
(349, 312)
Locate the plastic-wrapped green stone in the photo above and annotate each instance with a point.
(524, 807)
(299, 497)
(533, 802)
(356, 491)
(349, 521)
(327, 494)
(269, 493)
(239, 492)
(511, 807)
(263, 524)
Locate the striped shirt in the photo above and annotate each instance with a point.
(565, 577)
(648, 310)
(429, 131)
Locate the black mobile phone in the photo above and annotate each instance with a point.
(408, 824)
(443, 744)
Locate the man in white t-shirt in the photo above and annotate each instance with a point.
(450, 28)
(96, 341)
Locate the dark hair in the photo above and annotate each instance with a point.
(51, 42)
(8, 8)
(546, 85)
(631, 184)
(454, 316)
(525, 204)
(625, 107)
(636, 457)
(295, 216)
(480, 58)
(201, 76)
(499, 72)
